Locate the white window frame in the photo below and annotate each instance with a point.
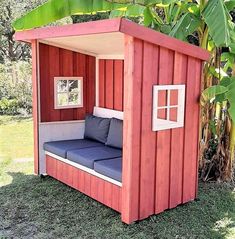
(56, 79)
(163, 124)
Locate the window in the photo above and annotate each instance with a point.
(168, 106)
(68, 92)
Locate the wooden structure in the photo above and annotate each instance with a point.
(120, 63)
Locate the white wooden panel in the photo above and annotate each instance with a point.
(54, 131)
(107, 113)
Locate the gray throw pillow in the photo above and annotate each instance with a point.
(96, 128)
(115, 134)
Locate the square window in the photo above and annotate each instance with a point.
(68, 92)
(168, 107)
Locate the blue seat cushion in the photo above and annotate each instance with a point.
(111, 168)
(88, 156)
(61, 148)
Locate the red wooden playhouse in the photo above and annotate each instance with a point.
(145, 79)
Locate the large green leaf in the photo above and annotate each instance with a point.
(54, 10)
(230, 4)
(217, 19)
(187, 24)
(211, 92)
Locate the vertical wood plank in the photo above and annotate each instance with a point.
(34, 45)
(109, 84)
(132, 124)
(90, 84)
(44, 77)
(163, 138)
(87, 183)
(66, 69)
(177, 139)
(115, 197)
(101, 83)
(191, 129)
(147, 174)
(79, 70)
(108, 193)
(54, 71)
(118, 85)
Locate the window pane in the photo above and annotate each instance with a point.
(162, 98)
(162, 114)
(173, 114)
(73, 99)
(62, 85)
(73, 85)
(174, 97)
(62, 99)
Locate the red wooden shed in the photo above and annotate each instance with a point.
(121, 69)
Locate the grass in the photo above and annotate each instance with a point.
(31, 207)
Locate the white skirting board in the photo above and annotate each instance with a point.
(54, 131)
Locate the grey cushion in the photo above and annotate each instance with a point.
(115, 133)
(61, 148)
(111, 168)
(88, 156)
(96, 128)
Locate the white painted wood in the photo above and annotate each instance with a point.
(85, 169)
(59, 45)
(111, 57)
(96, 44)
(107, 113)
(56, 105)
(54, 131)
(161, 124)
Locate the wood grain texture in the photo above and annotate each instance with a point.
(163, 154)
(132, 126)
(34, 46)
(55, 62)
(97, 188)
(148, 137)
(111, 83)
(177, 139)
(191, 130)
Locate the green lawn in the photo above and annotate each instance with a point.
(31, 207)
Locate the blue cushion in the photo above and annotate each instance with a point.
(61, 148)
(115, 133)
(111, 168)
(88, 156)
(96, 128)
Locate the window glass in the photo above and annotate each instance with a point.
(68, 92)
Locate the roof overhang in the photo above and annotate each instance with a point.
(106, 37)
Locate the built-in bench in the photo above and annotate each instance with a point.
(99, 153)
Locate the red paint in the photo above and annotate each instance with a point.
(114, 25)
(84, 182)
(65, 63)
(111, 83)
(35, 103)
(132, 126)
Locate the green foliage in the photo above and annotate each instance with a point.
(15, 88)
(54, 10)
(217, 19)
(9, 107)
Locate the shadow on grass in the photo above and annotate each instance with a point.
(31, 207)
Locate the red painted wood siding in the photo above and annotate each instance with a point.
(159, 168)
(97, 188)
(34, 45)
(54, 62)
(111, 80)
